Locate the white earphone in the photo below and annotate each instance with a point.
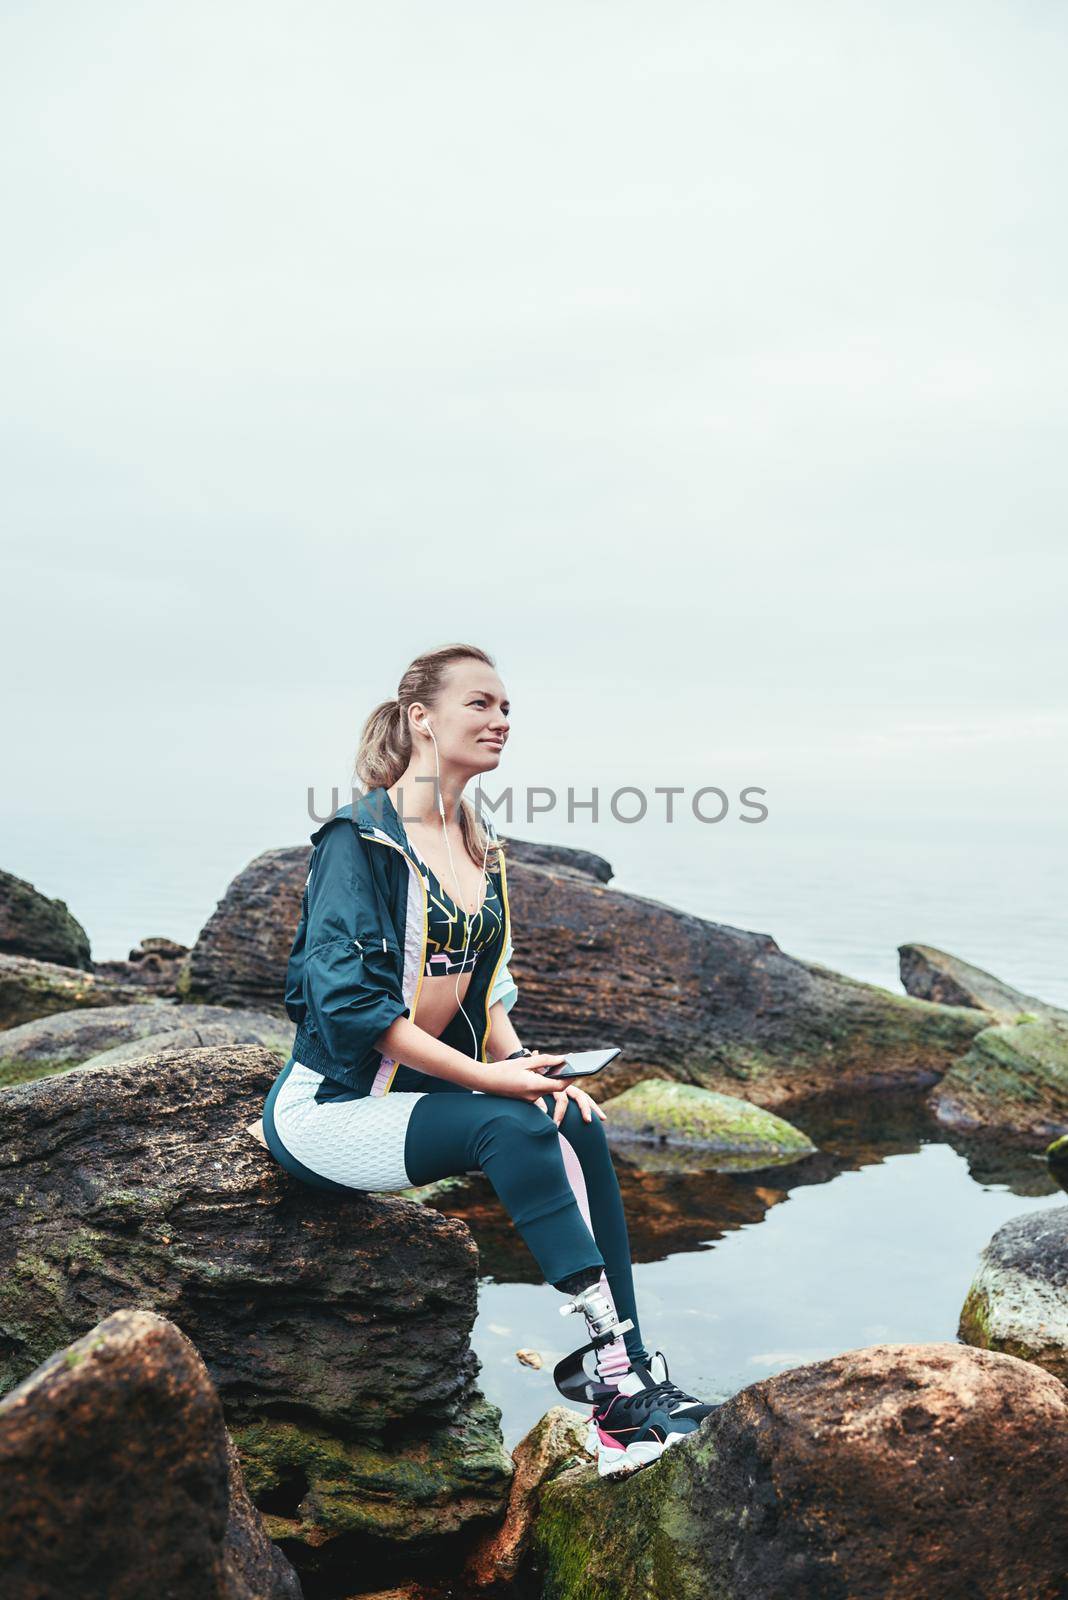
(455, 878)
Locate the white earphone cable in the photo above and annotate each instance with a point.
(455, 878)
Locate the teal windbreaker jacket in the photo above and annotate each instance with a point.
(359, 952)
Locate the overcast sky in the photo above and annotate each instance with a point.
(704, 363)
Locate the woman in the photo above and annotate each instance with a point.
(405, 1065)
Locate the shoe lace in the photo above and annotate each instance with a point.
(646, 1399)
(671, 1391)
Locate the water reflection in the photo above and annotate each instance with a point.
(741, 1274)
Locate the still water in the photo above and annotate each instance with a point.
(738, 1276)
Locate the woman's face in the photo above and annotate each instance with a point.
(470, 720)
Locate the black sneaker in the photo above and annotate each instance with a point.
(636, 1425)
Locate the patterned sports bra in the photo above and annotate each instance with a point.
(447, 926)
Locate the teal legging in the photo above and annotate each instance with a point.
(544, 1175)
(518, 1147)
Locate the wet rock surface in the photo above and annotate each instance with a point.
(335, 1328)
(904, 1472)
(118, 1479)
(1018, 1300)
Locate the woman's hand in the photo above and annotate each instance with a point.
(586, 1104)
(526, 1078)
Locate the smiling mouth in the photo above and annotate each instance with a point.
(497, 743)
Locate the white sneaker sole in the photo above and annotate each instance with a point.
(613, 1461)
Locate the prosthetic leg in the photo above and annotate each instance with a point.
(570, 1375)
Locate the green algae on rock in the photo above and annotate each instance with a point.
(321, 1486)
(688, 1121)
(1018, 1300)
(1057, 1157)
(1013, 1079)
(32, 925)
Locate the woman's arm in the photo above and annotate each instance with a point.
(404, 1041)
(502, 1039)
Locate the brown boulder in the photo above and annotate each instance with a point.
(556, 1441)
(893, 1472)
(336, 1328)
(118, 1478)
(694, 1000)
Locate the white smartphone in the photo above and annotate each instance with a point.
(582, 1064)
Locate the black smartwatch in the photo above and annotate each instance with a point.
(522, 1051)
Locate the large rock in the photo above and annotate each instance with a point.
(930, 974)
(561, 857)
(673, 1124)
(118, 1479)
(241, 953)
(1018, 1300)
(240, 956)
(555, 1442)
(335, 1327)
(42, 929)
(1013, 1080)
(902, 1472)
(69, 1038)
(31, 989)
(689, 999)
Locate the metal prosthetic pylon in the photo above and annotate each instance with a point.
(570, 1374)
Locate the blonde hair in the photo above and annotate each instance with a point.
(386, 741)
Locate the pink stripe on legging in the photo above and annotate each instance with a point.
(612, 1359)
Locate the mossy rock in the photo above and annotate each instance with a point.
(32, 925)
(1013, 1079)
(685, 1118)
(1057, 1156)
(313, 1486)
(1018, 1301)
